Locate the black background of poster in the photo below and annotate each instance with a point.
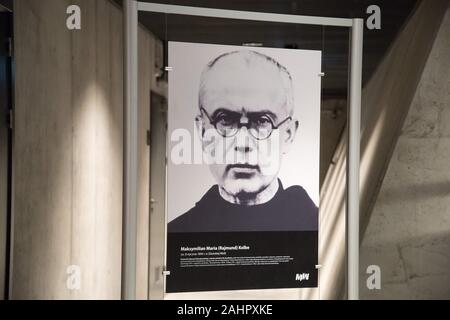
(302, 246)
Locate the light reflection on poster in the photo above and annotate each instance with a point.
(243, 169)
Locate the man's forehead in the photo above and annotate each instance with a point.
(255, 103)
(245, 63)
(236, 85)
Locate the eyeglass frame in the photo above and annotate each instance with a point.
(247, 125)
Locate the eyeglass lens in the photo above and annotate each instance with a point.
(259, 126)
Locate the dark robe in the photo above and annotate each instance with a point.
(289, 210)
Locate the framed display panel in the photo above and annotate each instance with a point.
(132, 9)
(242, 201)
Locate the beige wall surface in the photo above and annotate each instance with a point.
(409, 232)
(68, 151)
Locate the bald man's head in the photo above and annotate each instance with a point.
(250, 77)
(246, 109)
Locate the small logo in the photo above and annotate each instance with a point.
(374, 280)
(302, 277)
(73, 281)
(374, 20)
(73, 21)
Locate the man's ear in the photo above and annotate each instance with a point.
(200, 124)
(290, 134)
(291, 131)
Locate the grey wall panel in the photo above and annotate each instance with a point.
(68, 150)
(408, 235)
(385, 103)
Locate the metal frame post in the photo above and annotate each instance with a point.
(131, 150)
(353, 158)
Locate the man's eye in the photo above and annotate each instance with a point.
(225, 120)
(263, 121)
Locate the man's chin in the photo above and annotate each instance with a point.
(241, 187)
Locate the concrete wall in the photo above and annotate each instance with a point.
(5, 98)
(409, 232)
(385, 102)
(3, 185)
(332, 124)
(68, 151)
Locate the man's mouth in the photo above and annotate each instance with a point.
(243, 168)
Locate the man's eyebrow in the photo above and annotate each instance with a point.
(223, 110)
(263, 113)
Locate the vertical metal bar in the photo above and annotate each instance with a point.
(131, 150)
(12, 74)
(354, 141)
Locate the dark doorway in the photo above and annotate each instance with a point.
(157, 141)
(6, 121)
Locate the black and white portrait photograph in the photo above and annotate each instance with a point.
(244, 127)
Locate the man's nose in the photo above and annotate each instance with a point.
(243, 141)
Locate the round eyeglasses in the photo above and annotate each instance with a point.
(228, 123)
